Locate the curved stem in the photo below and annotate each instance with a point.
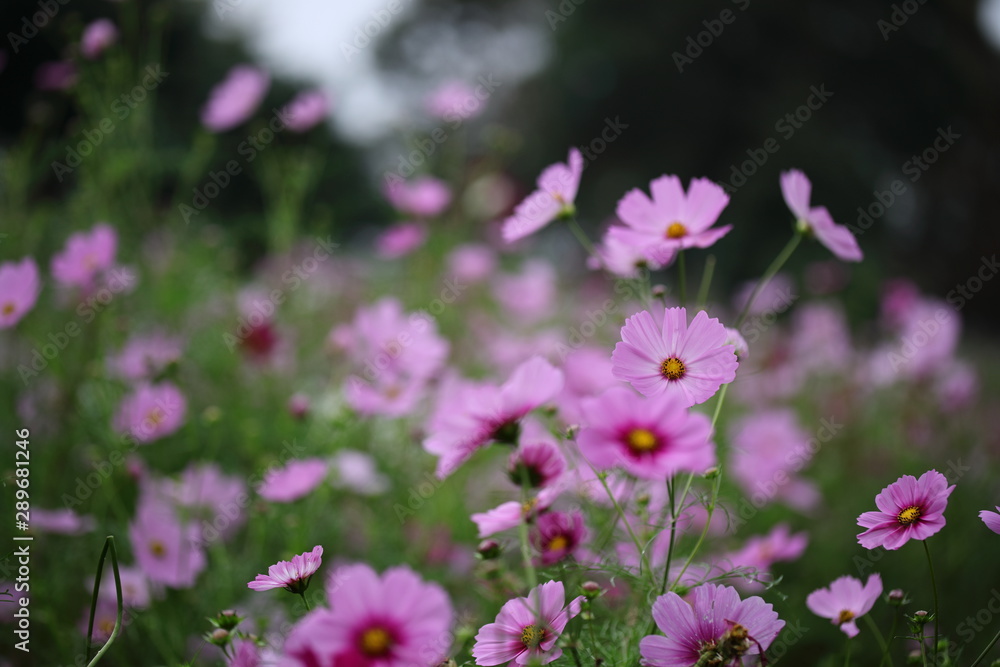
(581, 236)
(986, 650)
(775, 266)
(878, 637)
(937, 616)
(109, 545)
(706, 282)
(643, 559)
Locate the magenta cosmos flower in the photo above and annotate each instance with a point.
(673, 220)
(86, 255)
(295, 480)
(306, 110)
(469, 417)
(526, 629)
(19, 288)
(293, 576)
(96, 37)
(151, 412)
(651, 438)
(556, 193)
(716, 629)
(396, 620)
(991, 519)
(909, 508)
(557, 536)
(687, 361)
(235, 98)
(797, 190)
(845, 600)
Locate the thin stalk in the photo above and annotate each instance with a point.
(109, 545)
(775, 266)
(937, 616)
(643, 559)
(878, 637)
(706, 282)
(581, 236)
(986, 650)
(681, 277)
(673, 532)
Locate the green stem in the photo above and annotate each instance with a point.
(681, 277)
(986, 650)
(522, 530)
(847, 653)
(109, 545)
(775, 266)
(673, 532)
(581, 236)
(892, 635)
(878, 637)
(706, 282)
(937, 616)
(643, 559)
(704, 531)
(304, 600)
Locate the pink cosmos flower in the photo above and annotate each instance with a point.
(61, 522)
(509, 515)
(651, 438)
(400, 240)
(452, 100)
(845, 600)
(760, 552)
(164, 547)
(909, 508)
(526, 629)
(306, 110)
(246, 653)
(151, 412)
(673, 220)
(423, 197)
(96, 37)
(557, 535)
(689, 361)
(396, 620)
(293, 576)
(143, 357)
(530, 295)
(797, 190)
(297, 479)
(19, 288)
(555, 197)
(357, 472)
(623, 252)
(105, 615)
(135, 588)
(235, 98)
(472, 416)
(471, 262)
(991, 519)
(85, 256)
(56, 75)
(716, 628)
(540, 461)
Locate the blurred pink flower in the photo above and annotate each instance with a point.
(674, 220)
(293, 576)
(97, 36)
(357, 472)
(135, 588)
(400, 240)
(471, 263)
(845, 600)
(530, 295)
(526, 629)
(797, 191)
(297, 479)
(151, 412)
(235, 98)
(556, 535)
(451, 100)
(689, 361)
(908, 509)
(991, 519)
(555, 197)
(623, 252)
(537, 460)
(509, 515)
(85, 256)
(306, 110)
(144, 356)
(62, 522)
(423, 197)
(56, 75)
(375, 621)
(19, 288)
(760, 552)
(165, 548)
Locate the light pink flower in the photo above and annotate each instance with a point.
(357, 472)
(797, 191)
(845, 600)
(530, 295)
(297, 479)
(165, 548)
(400, 240)
(538, 460)
(85, 256)
(235, 98)
(555, 196)
(151, 412)
(761, 551)
(452, 100)
(991, 519)
(909, 508)
(19, 288)
(375, 621)
(624, 252)
(526, 629)
(690, 361)
(305, 111)
(293, 576)
(651, 438)
(471, 263)
(674, 220)
(96, 37)
(61, 522)
(143, 357)
(423, 197)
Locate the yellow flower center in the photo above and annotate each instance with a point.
(558, 543)
(673, 368)
(375, 642)
(532, 636)
(845, 616)
(528, 506)
(9, 308)
(158, 549)
(909, 515)
(155, 417)
(641, 440)
(676, 231)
